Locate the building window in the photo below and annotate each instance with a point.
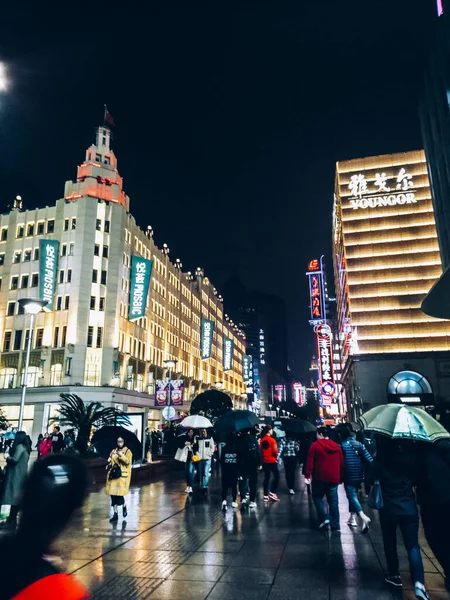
(11, 309)
(39, 337)
(36, 254)
(40, 228)
(69, 275)
(98, 158)
(96, 250)
(71, 246)
(58, 302)
(74, 223)
(66, 302)
(7, 341)
(90, 336)
(2, 258)
(17, 256)
(64, 336)
(4, 234)
(64, 250)
(27, 256)
(107, 225)
(14, 282)
(68, 371)
(99, 337)
(66, 224)
(20, 310)
(50, 225)
(56, 337)
(105, 251)
(20, 231)
(24, 282)
(98, 225)
(34, 280)
(18, 340)
(61, 276)
(101, 305)
(30, 230)
(94, 276)
(107, 160)
(103, 278)
(92, 302)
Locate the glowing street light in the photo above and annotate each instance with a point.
(3, 78)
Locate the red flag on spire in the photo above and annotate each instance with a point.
(108, 118)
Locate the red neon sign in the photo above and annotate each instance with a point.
(325, 353)
(316, 297)
(313, 265)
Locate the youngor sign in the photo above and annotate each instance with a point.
(228, 350)
(141, 270)
(327, 386)
(48, 271)
(207, 338)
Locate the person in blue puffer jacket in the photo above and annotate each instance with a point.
(356, 457)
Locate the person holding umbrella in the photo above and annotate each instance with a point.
(289, 449)
(118, 477)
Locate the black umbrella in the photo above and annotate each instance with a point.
(236, 420)
(105, 439)
(298, 426)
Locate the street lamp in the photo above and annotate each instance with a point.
(270, 409)
(170, 364)
(31, 306)
(3, 78)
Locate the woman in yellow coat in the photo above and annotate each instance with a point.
(118, 487)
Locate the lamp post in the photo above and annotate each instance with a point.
(170, 364)
(270, 409)
(31, 306)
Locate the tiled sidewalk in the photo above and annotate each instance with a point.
(173, 547)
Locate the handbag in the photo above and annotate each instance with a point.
(115, 472)
(196, 458)
(182, 454)
(375, 499)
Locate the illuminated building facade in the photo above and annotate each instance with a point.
(386, 258)
(87, 344)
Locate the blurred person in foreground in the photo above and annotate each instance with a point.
(54, 489)
(16, 473)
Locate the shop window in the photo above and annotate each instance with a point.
(12, 411)
(32, 376)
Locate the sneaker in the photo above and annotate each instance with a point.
(224, 505)
(190, 491)
(420, 591)
(292, 492)
(324, 524)
(266, 498)
(253, 504)
(352, 522)
(125, 512)
(394, 580)
(186, 491)
(234, 504)
(274, 497)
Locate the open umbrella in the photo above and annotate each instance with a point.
(298, 426)
(236, 420)
(403, 422)
(105, 439)
(196, 422)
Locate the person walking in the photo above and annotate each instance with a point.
(46, 446)
(38, 443)
(395, 467)
(57, 439)
(118, 477)
(324, 464)
(16, 473)
(289, 449)
(204, 448)
(269, 454)
(433, 494)
(188, 440)
(356, 457)
(249, 463)
(229, 465)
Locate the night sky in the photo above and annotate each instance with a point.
(230, 118)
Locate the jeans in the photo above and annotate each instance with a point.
(249, 479)
(268, 469)
(437, 532)
(354, 505)
(190, 473)
(330, 490)
(290, 464)
(205, 466)
(409, 526)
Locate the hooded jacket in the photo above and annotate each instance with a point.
(269, 450)
(325, 462)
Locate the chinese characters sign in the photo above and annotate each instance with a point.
(325, 352)
(316, 290)
(247, 368)
(207, 338)
(48, 269)
(141, 270)
(262, 348)
(383, 191)
(228, 350)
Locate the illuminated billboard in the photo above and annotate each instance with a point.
(141, 270)
(316, 291)
(207, 338)
(228, 349)
(48, 271)
(327, 386)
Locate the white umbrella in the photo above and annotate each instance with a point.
(196, 422)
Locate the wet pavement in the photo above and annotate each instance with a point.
(179, 548)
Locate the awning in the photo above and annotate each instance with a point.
(437, 302)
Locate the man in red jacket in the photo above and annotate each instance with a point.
(325, 464)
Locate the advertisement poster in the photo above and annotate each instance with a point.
(141, 270)
(207, 338)
(161, 393)
(176, 392)
(48, 271)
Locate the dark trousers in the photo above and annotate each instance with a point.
(437, 532)
(249, 480)
(290, 464)
(268, 469)
(330, 490)
(409, 526)
(229, 482)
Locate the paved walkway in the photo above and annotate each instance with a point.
(178, 548)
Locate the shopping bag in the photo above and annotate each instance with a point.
(375, 499)
(182, 454)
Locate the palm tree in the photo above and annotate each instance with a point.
(3, 421)
(81, 417)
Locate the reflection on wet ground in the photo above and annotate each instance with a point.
(179, 548)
